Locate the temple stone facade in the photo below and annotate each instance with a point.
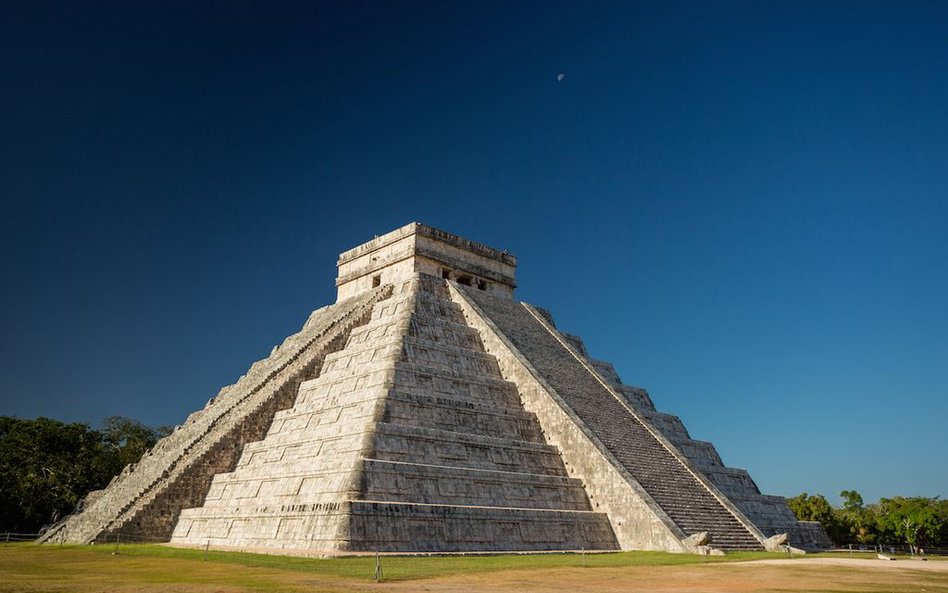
(428, 411)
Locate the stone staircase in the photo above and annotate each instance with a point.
(145, 499)
(454, 445)
(768, 513)
(682, 493)
(411, 441)
(290, 489)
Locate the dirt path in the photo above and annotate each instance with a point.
(902, 564)
(817, 574)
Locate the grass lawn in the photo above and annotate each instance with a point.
(148, 568)
(395, 568)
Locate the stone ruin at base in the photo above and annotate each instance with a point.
(428, 411)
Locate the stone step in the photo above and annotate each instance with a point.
(421, 378)
(432, 484)
(449, 360)
(460, 416)
(278, 485)
(438, 308)
(444, 331)
(631, 441)
(412, 444)
(396, 527)
(305, 448)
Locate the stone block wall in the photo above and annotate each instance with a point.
(392, 527)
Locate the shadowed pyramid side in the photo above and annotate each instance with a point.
(643, 482)
(291, 489)
(145, 499)
(769, 513)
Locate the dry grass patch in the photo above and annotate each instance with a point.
(147, 569)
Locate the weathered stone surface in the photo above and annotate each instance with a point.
(428, 411)
(702, 538)
(428, 449)
(145, 499)
(678, 495)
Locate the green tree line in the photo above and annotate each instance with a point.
(48, 466)
(917, 521)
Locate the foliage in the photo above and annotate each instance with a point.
(811, 508)
(128, 439)
(48, 466)
(859, 520)
(817, 508)
(916, 521)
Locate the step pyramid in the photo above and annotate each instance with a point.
(428, 411)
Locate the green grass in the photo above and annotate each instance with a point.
(138, 568)
(397, 568)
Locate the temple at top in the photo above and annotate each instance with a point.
(403, 253)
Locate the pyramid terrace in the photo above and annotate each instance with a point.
(429, 411)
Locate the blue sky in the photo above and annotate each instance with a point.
(743, 206)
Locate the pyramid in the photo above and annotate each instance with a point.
(428, 411)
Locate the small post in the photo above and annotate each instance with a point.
(378, 567)
(850, 550)
(117, 537)
(62, 538)
(582, 555)
(206, 546)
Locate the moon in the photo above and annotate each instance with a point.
(560, 77)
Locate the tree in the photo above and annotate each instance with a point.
(48, 466)
(852, 500)
(127, 440)
(811, 508)
(859, 520)
(915, 520)
(817, 508)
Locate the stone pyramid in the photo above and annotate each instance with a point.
(429, 411)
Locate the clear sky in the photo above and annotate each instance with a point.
(743, 206)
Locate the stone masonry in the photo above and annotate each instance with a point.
(427, 411)
(145, 498)
(409, 440)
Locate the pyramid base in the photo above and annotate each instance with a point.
(367, 526)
